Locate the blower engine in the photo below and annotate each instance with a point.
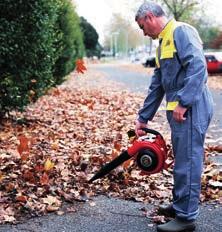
(149, 152)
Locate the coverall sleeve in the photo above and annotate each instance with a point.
(191, 56)
(153, 99)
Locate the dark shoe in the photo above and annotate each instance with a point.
(167, 210)
(177, 225)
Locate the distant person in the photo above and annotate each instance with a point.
(181, 75)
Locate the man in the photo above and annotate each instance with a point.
(181, 75)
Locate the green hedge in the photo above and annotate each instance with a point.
(72, 40)
(90, 38)
(31, 45)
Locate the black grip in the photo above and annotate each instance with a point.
(132, 133)
(151, 131)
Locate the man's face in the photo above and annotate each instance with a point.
(148, 25)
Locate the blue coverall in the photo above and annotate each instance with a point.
(181, 74)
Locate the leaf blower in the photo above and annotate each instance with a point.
(149, 152)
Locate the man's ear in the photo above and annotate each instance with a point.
(150, 15)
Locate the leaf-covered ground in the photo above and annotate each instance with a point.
(51, 150)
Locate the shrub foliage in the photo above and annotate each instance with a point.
(35, 36)
(90, 38)
(71, 43)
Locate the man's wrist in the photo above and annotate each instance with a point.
(141, 119)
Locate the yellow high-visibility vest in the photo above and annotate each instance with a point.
(167, 47)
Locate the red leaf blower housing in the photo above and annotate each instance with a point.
(149, 152)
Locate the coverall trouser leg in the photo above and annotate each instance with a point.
(188, 147)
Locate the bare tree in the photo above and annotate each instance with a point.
(121, 35)
(180, 8)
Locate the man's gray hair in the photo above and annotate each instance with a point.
(149, 6)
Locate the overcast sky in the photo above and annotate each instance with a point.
(99, 12)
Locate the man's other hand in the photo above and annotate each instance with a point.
(178, 113)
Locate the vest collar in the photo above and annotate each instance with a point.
(167, 29)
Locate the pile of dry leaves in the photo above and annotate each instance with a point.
(51, 150)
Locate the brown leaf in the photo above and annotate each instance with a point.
(68, 197)
(80, 66)
(24, 156)
(2, 176)
(83, 195)
(117, 145)
(217, 148)
(60, 213)
(127, 163)
(76, 158)
(55, 146)
(9, 187)
(56, 92)
(21, 198)
(91, 106)
(51, 208)
(29, 176)
(39, 168)
(71, 209)
(44, 180)
(159, 219)
(97, 159)
(92, 203)
(23, 144)
(114, 154)
(52, 201)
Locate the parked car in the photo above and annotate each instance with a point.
(213, 59)
(214, 62)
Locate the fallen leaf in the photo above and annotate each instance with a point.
(44, 180)
(52, 201)
(216, 184)
(80, 66)
(21, 198)
(127, 163)
(48, 165)
(60, 213)
(71, 209)
(39, 168)
(23, 144)
(24, 156)
(2, 176)
(55, 146)
(83, 195)
(51, 208)
(117, 145)
(92, 203)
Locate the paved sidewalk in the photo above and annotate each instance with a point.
(111, 215)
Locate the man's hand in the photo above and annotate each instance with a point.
(178, 113)
(138, 128)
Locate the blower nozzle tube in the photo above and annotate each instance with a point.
(110, 166)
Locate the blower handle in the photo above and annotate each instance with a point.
(151, 131)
